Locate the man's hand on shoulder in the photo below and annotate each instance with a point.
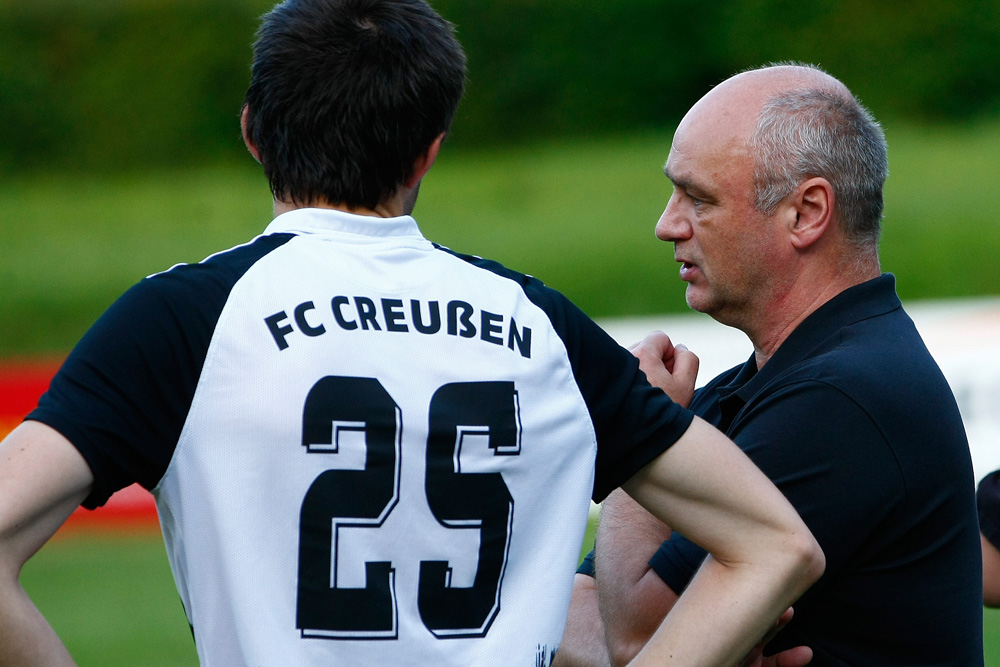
(672, 368)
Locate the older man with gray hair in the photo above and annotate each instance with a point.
(775, 218)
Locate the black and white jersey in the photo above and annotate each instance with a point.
(364, 448)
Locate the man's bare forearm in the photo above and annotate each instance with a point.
(583, 641)
(633, 599)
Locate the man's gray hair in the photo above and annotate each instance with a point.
(821, 132)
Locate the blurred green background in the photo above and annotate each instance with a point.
(120, 155)
(125, 84)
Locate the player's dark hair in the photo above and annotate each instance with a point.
(346, 94)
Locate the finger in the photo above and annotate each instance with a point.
(656, 343)
(782, 621)
(793, 657)
(685, 364)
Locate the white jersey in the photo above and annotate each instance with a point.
(365, 448)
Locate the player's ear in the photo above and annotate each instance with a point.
(246, 138)
(424, 162)
(810, 212)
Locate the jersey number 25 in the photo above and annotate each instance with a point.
(365, 498)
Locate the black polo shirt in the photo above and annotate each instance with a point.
(854, 422)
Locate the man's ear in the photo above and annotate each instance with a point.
(812, 204)
(246, 138)
(424, 162)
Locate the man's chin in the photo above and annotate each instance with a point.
(697, 300)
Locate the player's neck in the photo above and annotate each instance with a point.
(386, 210)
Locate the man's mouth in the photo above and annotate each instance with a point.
(688, 270)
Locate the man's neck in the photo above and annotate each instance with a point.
(781, 317)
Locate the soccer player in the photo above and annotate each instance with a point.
(774, 219)
(367, 449)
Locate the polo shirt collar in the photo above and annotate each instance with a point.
(869, 299)
(325, 220)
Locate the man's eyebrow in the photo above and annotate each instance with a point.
(677, 181)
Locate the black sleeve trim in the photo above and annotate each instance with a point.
(676, 562)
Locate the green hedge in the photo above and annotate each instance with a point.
(107, 84)
(111, 85)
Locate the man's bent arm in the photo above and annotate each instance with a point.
(43, 478)
(633, 599)
(582, 644)
(761, 555)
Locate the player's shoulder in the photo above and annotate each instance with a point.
(222, 268)
(188, 294)
(550, 300)
(492, 266)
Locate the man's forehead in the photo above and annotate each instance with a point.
(675, 170)
(704, 139)
(723, 117)
(672, 169)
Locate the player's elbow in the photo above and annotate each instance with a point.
(10, 570)
(805, 559)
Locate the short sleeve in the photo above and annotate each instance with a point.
(676, 561)
(116, 398)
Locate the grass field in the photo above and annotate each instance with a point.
(580, 215)
(112, 600)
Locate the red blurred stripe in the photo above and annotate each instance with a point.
(21, 384)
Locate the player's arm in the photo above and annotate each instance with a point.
(43, 478)
(761, 555)
(634, 598)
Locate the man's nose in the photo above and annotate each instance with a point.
(673, 224)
